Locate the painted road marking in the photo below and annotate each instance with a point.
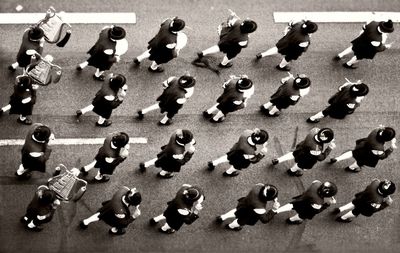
(71, 141)
(72, 18)
(336, 16)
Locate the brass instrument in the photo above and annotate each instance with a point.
(53, 26)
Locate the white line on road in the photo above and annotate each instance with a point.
(72, 18)
(72, 141)
(336, 16)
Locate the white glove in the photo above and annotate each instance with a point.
(393, 143)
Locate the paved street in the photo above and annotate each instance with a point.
(56, 106)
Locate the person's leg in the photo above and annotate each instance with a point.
(210, 50)
(269, 52)
(284, 158)
(82, 65)
(347, 51)
(144, 55)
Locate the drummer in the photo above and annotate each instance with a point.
(166, 45)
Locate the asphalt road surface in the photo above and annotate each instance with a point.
(56, 106)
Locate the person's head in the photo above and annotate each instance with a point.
(120, 140)
(386, 188)
(385, 134)
(41, 134)
(301, 82)
(243, 84)
(46, 196)
(35, 33)
(116, 33)
(248, 26)
(327, 190)
(117, 82)
(259, 136)
(268, 192)
(325, 135)
(191, 195)
(133, 197)
(184, 137)
(176, 25)
(24, 82)
(309, 27)
(186, 81)
(386, 26)
(359, 90)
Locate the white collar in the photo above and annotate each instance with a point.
(33, 137)
(250, 141)
(113, 146)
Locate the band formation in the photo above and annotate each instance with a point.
(123, 208)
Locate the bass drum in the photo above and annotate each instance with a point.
(121, 47)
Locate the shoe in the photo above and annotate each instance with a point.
(273, 115)
(169, 122)
(99, 78)
(200, 55)
(83, 171)
(332, 161)
(142, 168)
(219, 220)
(286, 68)
(335, 211)
(169, 175)
(157, 70)
(1, 112)
(140, 115)
(210, 166)
(296, 222)
(152, 222)
(106, 123)
(102, 180)
(258, 56)
(27, 121)
(78, 114)
(218, 120)
(207, 115)
(264, 110)
(336, 58)
(57, 171)
(24, 176)
(23, 221)
(136, 61)
(309, 120)
(352, 170)
(82, 225)
(233, 174)
(275, 161)
(297, 173)
(349, 66)
(11, 68)
(228, 65)
(35, 229)
(340, 219)
(168, 231)
(79, 68)
(234, 229)
(120, 231)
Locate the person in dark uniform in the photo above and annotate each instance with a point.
(110, 96)
(32, 43)
(251, 208)
(233, 36)
(308, 152)
(314, 200)
(371, 40)
(35, 151)
(293, 44)
(22, 100)
(374, 198)
(344, 102)
(184, 208)
(114, 151)
(370, 150)
(166, 45)
(237, 90)
(244, 152)
(175, 94)
(174, 155)
(116, 212)
(289, 93)
(104, 54)
(41, 209)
